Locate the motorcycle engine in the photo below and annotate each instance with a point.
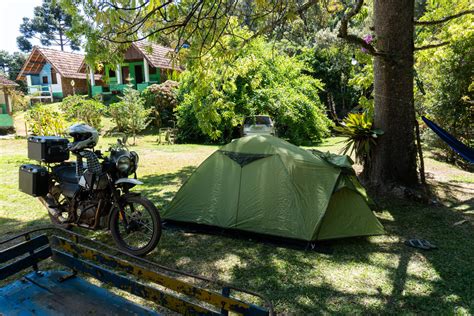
(86, 212)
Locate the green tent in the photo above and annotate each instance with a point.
(266, 185)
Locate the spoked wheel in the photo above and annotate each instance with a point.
(136, 226)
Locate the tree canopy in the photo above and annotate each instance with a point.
(390, 32)
(224, 88)
(50, 25)
(10, 65)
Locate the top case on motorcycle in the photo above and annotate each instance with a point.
(48, 148)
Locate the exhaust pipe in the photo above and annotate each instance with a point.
(50, 205)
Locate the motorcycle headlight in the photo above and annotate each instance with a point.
(123, 164)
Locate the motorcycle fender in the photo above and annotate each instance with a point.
(133, 182)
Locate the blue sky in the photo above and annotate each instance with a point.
(12, 13)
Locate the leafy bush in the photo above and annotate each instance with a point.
(188, 126)
(5, 130)
(42, 119)
(220, 91)
(130, 114)
(357, 127)
(81, 109)
(162, 99)
(20, 102)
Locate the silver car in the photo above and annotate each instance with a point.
(258, 124)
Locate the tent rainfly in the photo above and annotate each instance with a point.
(265, 185)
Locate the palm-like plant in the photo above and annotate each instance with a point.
(357, 127)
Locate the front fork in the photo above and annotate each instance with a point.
(120, 202)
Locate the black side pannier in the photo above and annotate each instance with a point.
(34, 180)
(48, 148)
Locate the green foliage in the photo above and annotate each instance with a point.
(10, 66)
(446, 89)
(361, 138)
(50, 25)
(42, 119)
(20, 102)
(81, 109)
(130, 114)
(162, 99)
(332, 65)
(449, 98)
(362, 80)
(222, 89)
(188, 126)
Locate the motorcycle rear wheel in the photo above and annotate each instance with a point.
(136, 222)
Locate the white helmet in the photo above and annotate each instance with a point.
(84, 136)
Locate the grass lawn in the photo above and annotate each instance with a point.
(358, 276)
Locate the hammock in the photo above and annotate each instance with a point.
(463, 150)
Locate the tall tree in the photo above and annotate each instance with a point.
(202, 24)
(394, 158)
(10, 65)
(49, 25)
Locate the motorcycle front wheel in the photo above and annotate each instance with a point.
(136, 226)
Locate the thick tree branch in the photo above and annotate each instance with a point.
(431, 46)
(351, 38)
(445, 19)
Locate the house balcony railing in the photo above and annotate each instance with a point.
(38, 90)
(41, 92)
(114, 88)
(45, 91)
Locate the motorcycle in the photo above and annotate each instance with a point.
(74, 195)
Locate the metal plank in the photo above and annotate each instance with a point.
(23, 247)
(46, 294)
(24, 263)
(216, 299)
(166, 300)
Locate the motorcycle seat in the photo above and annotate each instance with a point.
(66, 173)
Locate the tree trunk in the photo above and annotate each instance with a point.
(394, 158)
(61, 42)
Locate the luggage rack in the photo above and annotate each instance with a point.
(50, 292)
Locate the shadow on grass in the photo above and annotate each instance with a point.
(300, 281)
(450, 192)
(11, 226)
(310, 282)
(456, 160)
(452, 261)
(160, 189)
